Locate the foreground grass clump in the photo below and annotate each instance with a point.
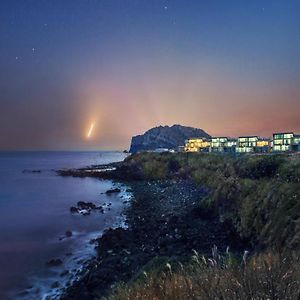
(259, 194)
(267, 276)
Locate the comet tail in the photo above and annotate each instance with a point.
(90, 130)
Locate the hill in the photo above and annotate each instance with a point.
(164, 137)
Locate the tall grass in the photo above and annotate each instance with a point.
(267, 276)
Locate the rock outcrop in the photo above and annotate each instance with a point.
(165, 137)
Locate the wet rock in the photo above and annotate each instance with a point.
(100, 209)
(114, 238)
(113, 191)
(85, 208)
(64, 273)
(86, 205)
(74, 210)
(55, 285)
(32, 171)
(69, 233)
(93, 241)
(54, 262)
(85, 212)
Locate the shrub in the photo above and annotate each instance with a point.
(256, 167)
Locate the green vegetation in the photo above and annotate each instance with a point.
(259, 194)
(267, 276)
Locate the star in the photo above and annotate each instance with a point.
(166, 7)
(33, 50)
(17, 57)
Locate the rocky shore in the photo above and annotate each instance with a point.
(164, 219)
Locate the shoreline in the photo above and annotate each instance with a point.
(163, 219)
(52, 281)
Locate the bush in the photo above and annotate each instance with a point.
(256, 167)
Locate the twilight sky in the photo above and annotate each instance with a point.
(228, 67)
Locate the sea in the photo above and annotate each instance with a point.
(35, 216)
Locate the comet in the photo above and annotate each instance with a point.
(89, 134)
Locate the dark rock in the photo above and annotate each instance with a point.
(55, 285)
(112, 191)
(86, 205)
(85, 212)
(203, 213)
(93, 241)
(64, 273)
(32, 171)
(69, 233)
(54, 262)
(74, 210)
(114, 238)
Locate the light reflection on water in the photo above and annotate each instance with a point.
(34, 210)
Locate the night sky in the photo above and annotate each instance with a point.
(228, 67)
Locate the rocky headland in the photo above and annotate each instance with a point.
(169, 137)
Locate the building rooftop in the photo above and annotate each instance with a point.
(288, 132)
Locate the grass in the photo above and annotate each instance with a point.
(267, 276)
(259, 194)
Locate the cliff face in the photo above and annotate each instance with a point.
(165, 137)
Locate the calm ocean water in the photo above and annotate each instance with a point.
(34, 214)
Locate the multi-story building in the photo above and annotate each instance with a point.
(246, 144)
(263, 145)
(223, 144)
(296, 143)
(283, 141)
(286, 141)
(197, 145)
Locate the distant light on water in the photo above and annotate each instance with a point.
(90, 131)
